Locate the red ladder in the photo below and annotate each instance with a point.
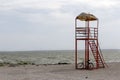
(100, 63)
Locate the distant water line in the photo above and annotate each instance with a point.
(53, 57)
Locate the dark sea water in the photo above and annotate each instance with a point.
(54, 56)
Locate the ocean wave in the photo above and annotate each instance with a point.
(49, 57)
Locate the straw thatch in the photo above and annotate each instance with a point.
(86, 17)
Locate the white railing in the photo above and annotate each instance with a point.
(87, 32)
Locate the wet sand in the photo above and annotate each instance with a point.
(59, 72)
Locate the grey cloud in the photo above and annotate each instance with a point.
(53, 28)
(33, 11)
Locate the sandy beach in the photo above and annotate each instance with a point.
(59, 72)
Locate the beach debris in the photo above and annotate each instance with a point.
(15, 63)
(86, 77)
(63, 62)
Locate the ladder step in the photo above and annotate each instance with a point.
(94, 50)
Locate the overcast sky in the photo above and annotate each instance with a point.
(49, 24)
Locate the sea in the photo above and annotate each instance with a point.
(54, 56)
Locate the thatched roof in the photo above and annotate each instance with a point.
(86, 17)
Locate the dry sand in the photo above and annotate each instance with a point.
(59, 72)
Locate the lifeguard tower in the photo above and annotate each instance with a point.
(89, 34)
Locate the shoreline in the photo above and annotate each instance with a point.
(33, 64)
(59, 72)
